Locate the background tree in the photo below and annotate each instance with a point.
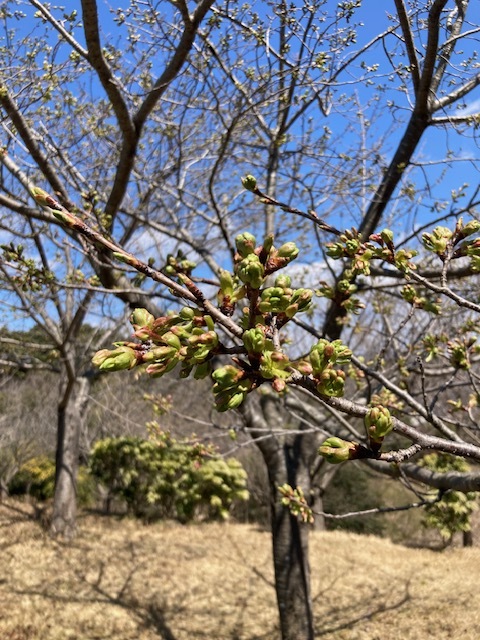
(329, 114)
(62, 346)
(58, 162)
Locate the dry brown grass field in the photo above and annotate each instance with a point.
(126, 581)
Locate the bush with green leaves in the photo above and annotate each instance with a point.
(165, 477)
(451, 513)
(36, 478)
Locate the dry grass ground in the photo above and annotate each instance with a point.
(127, 581)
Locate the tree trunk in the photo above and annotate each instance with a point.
(3, 490)
(287, 459)
(70, 415)
(316, 504)
(290, 552)
(468, 538)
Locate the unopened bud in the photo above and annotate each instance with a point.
(251, 271)
(378, 423)
(141, 318)
(158, 369)
(288, 250)
(387, 236)
(249, 182)
(303, 367)
(279, 385)
(116, 360)
(331, 382)
(283, 281)
(473, 226)
(245, 243)
(336, 450)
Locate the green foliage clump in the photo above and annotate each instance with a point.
(165, 477)
(452, 513)
(36, 478)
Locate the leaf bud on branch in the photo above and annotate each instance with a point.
(336, 450)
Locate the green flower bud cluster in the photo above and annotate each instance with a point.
(246, 244)
(378, 424)
(253, 264)
(281, 299)
(296, 502)
(463, 231)
(142, 323)
(248, 267)
(460, 352)
(401, 258)
(323, 357)
(276, 366)
(178, 264)
(386, 397)
(410, 294)
(431, 344)
(442, 238)
(348, 245)
(288, 251)
(342, 293)
(251, 271)
(331, 382)
(231, 387)
(187, 338)
(438, 240)
(336, 450)
(270, 363)
(325, 354)
(255, 341)
(28, 276)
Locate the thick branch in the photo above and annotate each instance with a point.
(66, 35)
(459, 93)
(409, 43)
(424, 95)
(458, 448)
(454, 480)
(130, 142)
(449, 46)
(105, 75)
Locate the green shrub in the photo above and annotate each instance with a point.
(452, 513)
(36, 478)
(165, 477)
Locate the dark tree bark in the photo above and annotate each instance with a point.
(468, 538)
(288, 461)
(290, 548)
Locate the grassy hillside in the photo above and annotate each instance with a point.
(127, 581)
